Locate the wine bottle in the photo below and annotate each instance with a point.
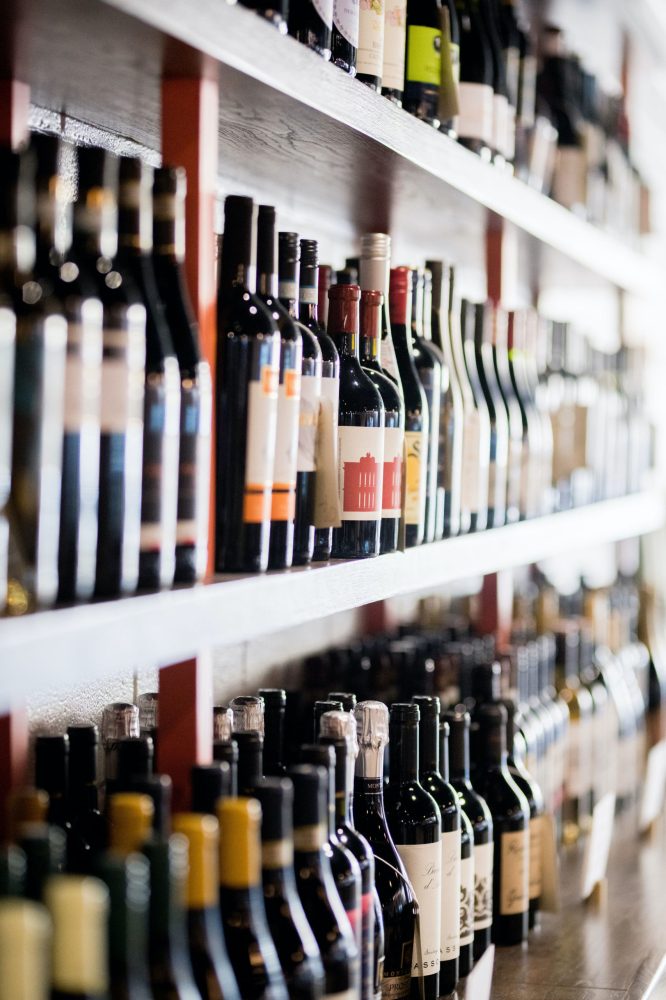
(576, 810)
(316, 887)
(87, 834)
(210, 783)
(370, 55)
(430, 373)
(25, 805)
(134, 758)
(311, 22)
(416, 407)
(476, 810)
(497, 414)
(161, 414)
(41, 335)
(451, 424)
(450, 69)
(80, 450)
(44, 849)
(310, 399)
(246, 413)
(423, 68)
(12, 871)
(395, 35)
(481, 454)
(213, 972)
(25, 937)
(275, 704)
(119, 721)
(51, 758)
(360, 434)
(297, 948)
(431, 778)
(308, 295)
(466, 956)
(79, 909)
(275, 11)
(250, 760)
(503, 116)
(474, 124)
(344, 38)
(249, 943)
(338, 729)
(169, 191)
(323, 284)
(320, 708)
(511, 817)
(513, 409)
(414, 821)
(127, 881)
(441, 472)
(89, 259)
(394, 434)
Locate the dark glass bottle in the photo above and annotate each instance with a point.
(320, 708)
(393, 888)
(481, 454)
(275, 706)
(479, 816)
(346, 699)
(169, 190)
(432, 779)
(416, 407)
(246, 412)
(161, 414)
(324, 283)
(283, 500)
(511, 818)
(442, 475)
(499, 421)
(500, 350)
(250, 760)
(450, 75)
(360, 434)
(51, 765)
(370, 55)
(311, 392)
(316, 887)
(474, 123)
(429, 369)
(210, 783)
(295, 942)
(249, 943)
(311, 22)
(466, 956)
(344, 39)
(423, 66)
(44, 848)
(87, 834)
(414, 821)
(395, 35)
(501, 144)
(32, 321)
(275, 11)
(127, 880)
(79, 910)
(213, 972)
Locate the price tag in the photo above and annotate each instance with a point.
(598, 845)
(654, 785)
(549, 901)
(480, 980)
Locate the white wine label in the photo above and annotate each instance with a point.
(360, 472)
(579, 759)
(570, 177)
(510, 150)
(470, 463)
(370, 58)
(500, 123)
(394, 445)
(309, 294)
(483, 885)
(326, 501)
(514, 873)
(116, 383)
(345, 19)
(527, 110)
(475, 120)
(423, 864)
(262, 406)
(308, 420)
(325, 10)
(535, 857)
(451, 884)
(416, 470)
(309, 838)
(286, 446)
(467, 901)
(395, 32)
(276, 854)
(288, 290)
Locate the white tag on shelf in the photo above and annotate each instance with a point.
(549, 900)
(598, 845)
(480, 980)
(654, 785)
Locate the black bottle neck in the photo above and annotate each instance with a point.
(459, 751)
(169, 226)
(343, 781)
(443, 735)
(492, 745)
(428, 744)
(308, 296)
(237, 271)
(135, 217)
(266, 272)
(417, 304)
(250, 761)
(404, 744)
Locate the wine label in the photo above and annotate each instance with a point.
(570, 177)
(510, 150)
(512, 64)
(535, 857)
(394, 446)
(416, 446)
(528, 83)
(360, 472)
(424, 54)
(370, 58)
(500, 123)
(395, 29)
(325, 10)
(326, 500)
(475, 120)
(396, 987)
(276, 854)
(423, 864)
(287, 440)
(367, 944)
(308, 420)
(262, 407)
(579, 756)
(309, 838)
(514, 873)
(470, 463)
(309, 295)
(345, 995)
(186, 528)
(122, 380)
(483, 885)
(451, 888)
(467, 901)
(450, 72)
(154, 424)
(288, 290)
(345, 19)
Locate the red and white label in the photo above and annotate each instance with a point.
(394, 445)
(360, 472)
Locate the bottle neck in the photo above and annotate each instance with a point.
(459, 753)
(370, 764)
(428, 745)
(403, 740)
(343, 321)
(288, 286)
(266, 275)
(444, 768)
(344, 779)
(308, 296)
(135, 222)
(169, 227)
(309, 841)
(492, 746)
(93, 224)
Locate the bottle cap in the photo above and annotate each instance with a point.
(240, 850)
(210, 782)
(340, 726)
(51, 755)
(223, 723)
(203, 836)
(428, 705)
(248, 714)
(273, 697)
(346, 698)
(344, 293)
(119, 720)
(376, 245)
(289, 249)
(309, 253)
(25, 932)
(276, 797)
(45, 849)
(130, 821)
(372, 720)
(133, 760)
(404, 713)
(400, 295)
(371, 314)
(79, 908)
(238, 217)
(148, 705)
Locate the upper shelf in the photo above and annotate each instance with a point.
(288, 119)
(66, 647)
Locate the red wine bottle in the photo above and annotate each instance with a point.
(360, 434)
(311, 22)
(247, 401)
(500, 351)
(434, 378)
(344, 39)
(481, 454)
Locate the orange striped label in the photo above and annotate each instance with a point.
(283, 503)
(256, 505)
(292, 383)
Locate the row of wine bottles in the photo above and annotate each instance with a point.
(470, 69)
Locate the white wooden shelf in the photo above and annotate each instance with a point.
(70, 646)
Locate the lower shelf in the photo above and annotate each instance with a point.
(68, 646)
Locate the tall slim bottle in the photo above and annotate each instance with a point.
(275, 705)
(283, 498)
(474, 123)
(87, 834)
(416, 408)
(126, 879)
(79, 910)
(499, 421)
(429, 368)
(423, 69)
(415, 823)
(395, 34)
(194, 456)
(481, 455)
(25, 938)
(311, 22)
(503, 115)
(161, 414)
(370, 56)
(443, 474)
(576, 809)
(248, 374)
(500, 351)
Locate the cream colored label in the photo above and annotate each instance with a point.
(287, 433)
(309, 838)
(483, 885)
(261, 425)
(570, 177)
(451, 882)
(467, 901)
(423, 864)
(325, 10)
(345, 19)
(396, 987)
(500, 123)
(475, 120)
(308, 420)
(470, 462)
(327, 501)
(514, 873)
(535, 857)
(360, 472)
(370, 58)
(395, 29)
(276, 854)
(416, 470)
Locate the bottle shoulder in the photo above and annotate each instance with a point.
(356, 387)
(242, 315)
(386, 387)
(442, 792)
(411, 804)
(503, 797)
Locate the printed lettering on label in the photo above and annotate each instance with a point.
(345, 19)
(483, 885)
(395, 27)
(370, 38)
(423, 863)
(466, 901)
(514, 875)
